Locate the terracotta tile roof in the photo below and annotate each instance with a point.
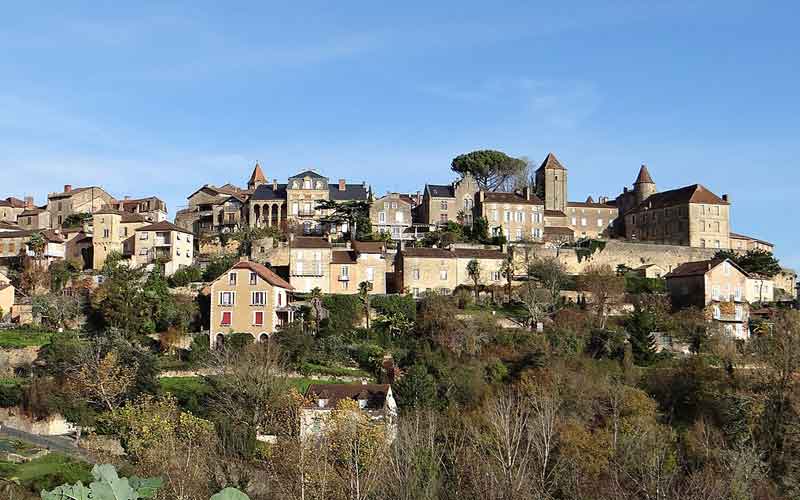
(374, 394)
(478, 253)
(738, 236)
(343, 257)
(53, 236)
(32, 211)
(551, 162)
(644, 176)
(128, 217)
(309, 242)
(695, 193)
(437, 253)
(257, 175)
(22, 233)
(699, 268)
(556, 230)
(163, 226)
(516, 198)
(9, 226)
(369, 246)
(263, 271)
(554, 213)
(14, 202)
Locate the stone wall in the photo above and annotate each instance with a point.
(616, 252)
(266, 250)
(14, 358)
(54, 425)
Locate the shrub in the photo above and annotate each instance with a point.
(10, 393)
(218, 265)
(395, 304)
(186, 275)
(238, 341)
(368, 356)
(344, 312)
(199, 350)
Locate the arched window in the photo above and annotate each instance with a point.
(263, 338)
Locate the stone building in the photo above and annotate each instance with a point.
(113, 231)
(688, 216)
(717, 286)
(551, 184)
(152, 208)
(451, 202)
(86, 200)
(163, 242)
(15, 243)
(742, 243)
(590, 219)
(375, 400)
(309, 263)
(392, 214)
(34, 218)
(360, 261)
(441, 270)
(517, 216)
(11, 207)
(248, 298)
(213, 210)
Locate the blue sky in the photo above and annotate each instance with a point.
(161, 97)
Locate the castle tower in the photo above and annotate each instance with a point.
(256, 178)
(551, 183)
(644, 187)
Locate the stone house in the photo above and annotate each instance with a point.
(443, 203)
(11, 207)
(717, 286)
(392, 214)
(248, 298)
(113, 231)
(15, 243)
(441, 270)
(88, 200)
(375, 400)
(153, 209)
(759, 289)
(517, 216)
(212, 210)
(164, 242)
(591, 220)
(786, 283)
(34, 218)
(306, 189)
(742, 243)
(309, 263)
(360, 261)
(6, 299)
(689, 216)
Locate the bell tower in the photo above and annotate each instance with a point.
(551, 183)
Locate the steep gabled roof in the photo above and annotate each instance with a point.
(644, 176)
(163, 226)
(267, 274)
(257, 175)
(696, 193)
(551, 162)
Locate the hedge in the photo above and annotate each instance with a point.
(344, 312)
(395, 304)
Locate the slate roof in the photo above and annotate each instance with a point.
(374, 394)
(516, 198)
(266, 273)
(551, 162)
(308, 173)
(266, 192)
(441, 191)
(696, 193)
(309, 242)
(351, 192)
(164, 226)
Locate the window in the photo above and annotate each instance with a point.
(443, 205)
(394, 204)
(739, 313)
(519, 233)
(382, 217)
(702, 243)
(258, 318)
(227, 298)
(231, 278)
(575, 221)
(299, 267)
(599, 222)
(280, 299)
(345, 272)
(717, 244)
(537, 233)
(717, 314)
(443, 275)
(520, 217)
(715, 293)
(345, 285)
(415, 292)
(143, 235)
(106, 233)
(143, 251)
(399, 217)
(737, 294)
(443, 217)
(415, 274)
(726, 268)
(370, 274)
(253, 278)
(494, 215)
(583, 221)
(258, 298)
(295, 208)
(495, 275)
(125, 230)
(306, 184)
(226, 318)
(507, 216)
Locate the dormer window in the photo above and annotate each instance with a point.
(307, 184)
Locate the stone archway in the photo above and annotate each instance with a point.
(219, 342)
(263, 338)
(257, 215)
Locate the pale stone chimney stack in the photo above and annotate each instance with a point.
(29, 202)
(342, 185)
(67, 188)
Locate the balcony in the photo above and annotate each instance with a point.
(305, 213)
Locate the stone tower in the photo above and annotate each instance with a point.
(551, 183)
(256, 178)
(644, 187)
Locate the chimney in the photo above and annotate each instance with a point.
(29, 202)
(625, 189)
(274, 184)
(67, 188)
(526, 192)
(726, 198)
(419, 198)
(244, 258)
(342, 185)
(126, 197)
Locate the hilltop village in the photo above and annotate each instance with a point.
(276, 318)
